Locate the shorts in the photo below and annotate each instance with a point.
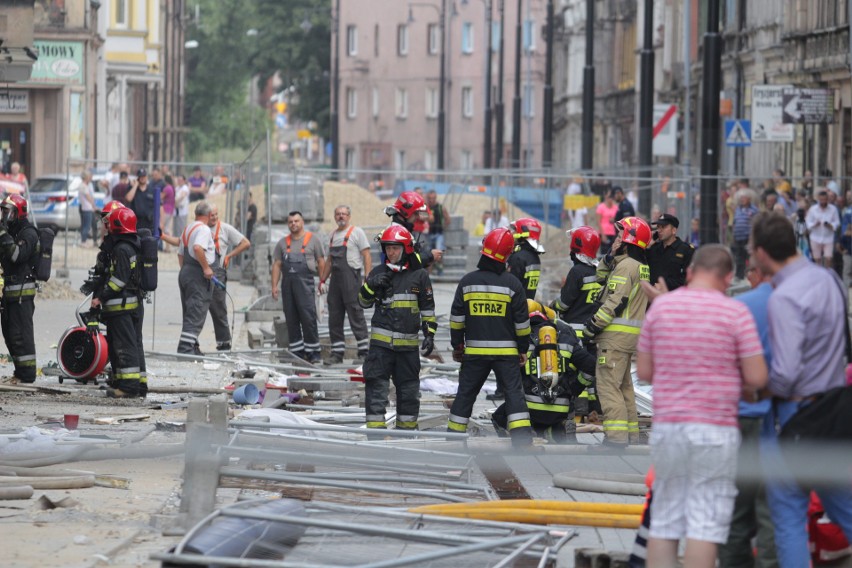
(822, 250)
(695, 466)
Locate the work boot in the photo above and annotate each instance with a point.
(362, 356)
(334, 359)
(501, 431)
(497, 395)
(607, 446)
(224, 346)
(315, 358)
(13, 380)
(118, 393)
(196, 350)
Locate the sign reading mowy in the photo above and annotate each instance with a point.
(767, 115)
(59, 62)
(808, 106)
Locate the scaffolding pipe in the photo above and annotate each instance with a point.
(396, 433)
(520, 550)
(458, 551)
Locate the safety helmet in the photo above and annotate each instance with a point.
(585, 241)
(634, 231)
(528, 229)
(14, 207)
(396, 234)
(407, 205)
(110, 207)
(498, 244)
(122, 221)
(539, 312)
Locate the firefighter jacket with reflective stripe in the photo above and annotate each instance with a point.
(489, 316)
(623, 304)
(19, 249)
(525, 265)
(402, 310)
(576, 302)
(120, 291)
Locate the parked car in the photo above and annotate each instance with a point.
(50, 198)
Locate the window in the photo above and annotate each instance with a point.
(122, 12)
(466, 160)
(402, 40)
(431, 102)
(529, 100)
(376, 41)
(399, 160)
(529, 35)
(429, 160)
(401, 104)
(351, 40)
(626, 63)
(349, 159)
(434, 33)
(467, 102)
(495, 37)
(351, 102)
(375, 102)
(467, 38)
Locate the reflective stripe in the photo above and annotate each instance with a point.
(566, 347)
(455, 427)
(633, 427)
(119, 283)
(522, 326)
(615, 425)
(518, 416)
(119, 301)
(491, 289)
(24, 286)
(459, 419)
(401, 297)
(523, 423)
(477, 343)
(16, 253)
(406, 425)
(576, 326)
(406, 418)
(489, 351)
(128, 370)
(618, 279)
(427, 313)
(454, 325)
(405, 304)
(590, 280)
(368, 289)
(376, 418)
(604, 316)
(630, 322)
(559, 409)
(488, 296)
(377, 425)
(121, 308)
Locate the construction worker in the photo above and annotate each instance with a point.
(490, 331)
(669, 257)
(550, 377)
(615, 329)
(525, 262)
(298, 257)
(577, 304)
(228, 243)
(120, 302)
(408, 208)
(402, 295)
(19, 249)
(196, 255)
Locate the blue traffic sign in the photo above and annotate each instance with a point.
(738, 133)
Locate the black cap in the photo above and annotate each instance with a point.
(141, 172)
(666, 219)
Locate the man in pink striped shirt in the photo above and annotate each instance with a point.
(700, 349)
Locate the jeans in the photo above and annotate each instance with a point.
(788, 501)
(740, 250)
(85, 225)
(436, 241)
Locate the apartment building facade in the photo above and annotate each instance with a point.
(390, 57)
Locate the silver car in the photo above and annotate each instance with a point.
(50, 199)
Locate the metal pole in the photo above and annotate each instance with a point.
(500, 107)
(269, 188)
(335, 96)
(547, 143)
(709, 227)
(687, 98)
(489, 118)
(442, 81)
(516, 102)
(646, 110)
(587, 157)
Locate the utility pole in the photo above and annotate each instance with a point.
(586, 159)
(335, 97)
(489, 112)
(547, 143)
(500, 108)
(442, 80)
(646, 110)
(709, 221)
(516, 102)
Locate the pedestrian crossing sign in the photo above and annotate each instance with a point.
(738, 133)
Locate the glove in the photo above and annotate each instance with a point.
(590, 331)
(552, 305)
(428, 345)
(379, 282)
(322, 288)
(575, 387)
(6, 239)
(458, 354)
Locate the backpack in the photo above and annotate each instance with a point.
(148, 258)
(43, 261)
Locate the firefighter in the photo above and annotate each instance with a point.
(615, 329)
(525, 262)
(120, 302)
(408, 208)
(402, 295)
(490, 330)
(551, 377)
(19, 250)
(577, 303)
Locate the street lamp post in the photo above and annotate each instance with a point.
(335, 95)
(489, 118)
(709, 221)
(587, 152)
(516, 102)
(646, 109)
(547, 143)
(500, 108)
(442, 78)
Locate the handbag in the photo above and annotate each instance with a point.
(829, 416)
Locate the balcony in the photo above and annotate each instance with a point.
(50, 14)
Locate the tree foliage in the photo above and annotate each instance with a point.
(292, 39)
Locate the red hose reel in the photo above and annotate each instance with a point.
(82, 351)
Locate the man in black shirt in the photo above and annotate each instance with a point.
(625, 208)
(669, 256)
(141, 200)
